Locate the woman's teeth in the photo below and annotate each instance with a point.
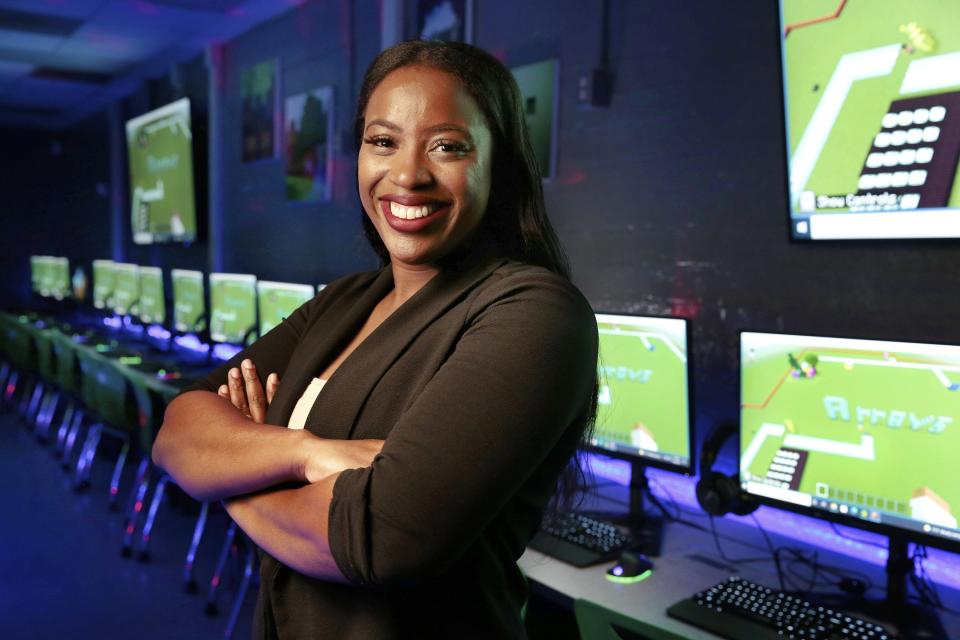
(411, 213)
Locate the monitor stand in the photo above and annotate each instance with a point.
(645, 529)
(911, 621)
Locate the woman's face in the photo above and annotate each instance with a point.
(424, 165)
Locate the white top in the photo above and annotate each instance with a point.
(299, 416)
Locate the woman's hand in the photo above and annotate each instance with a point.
(244, 390)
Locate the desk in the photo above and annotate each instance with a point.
(689, 562)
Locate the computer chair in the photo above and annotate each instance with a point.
(596, 622)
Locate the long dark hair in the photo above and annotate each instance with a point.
(515, 223)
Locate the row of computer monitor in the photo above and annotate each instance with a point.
(865, 432)
(241, 306)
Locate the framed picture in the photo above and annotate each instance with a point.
(449, 20)
(259, 96)
(538, 86)
(308, 146)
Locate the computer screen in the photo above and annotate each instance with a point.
(189, 308)
(58, 281)
(126, 288)
(277, 300)
(233, 307)
(863, 431)
(152, 305)
(643, 409)
(104, 279)
(160, 154)
(872, 106)
(37, 267)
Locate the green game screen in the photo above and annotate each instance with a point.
(233, 307)
(152, 308)
(126, 289)
(189, 309)
(160, 154)
(872, 105)
(37, 266)
(643, 405)
(104, 279)
(862, 428)
(58, 278)
(277, 300)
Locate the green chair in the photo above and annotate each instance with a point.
(107, 391)
(18, 351)
(596, 622)
(43, 337)
(69, 380)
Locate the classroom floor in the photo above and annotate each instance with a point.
(61, 571)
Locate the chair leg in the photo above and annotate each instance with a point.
(47, 413)
(135, 507)
(241, 592)
(64, 428)
(144, 554)
(5, 371)
(10, 389)
(117, 473)
(34, 407)
(189, 582)
(87, 454)
(30, 390)
(72, 436)
(211, 606)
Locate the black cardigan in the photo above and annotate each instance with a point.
(481, 384)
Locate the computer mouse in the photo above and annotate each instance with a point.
(632, 566)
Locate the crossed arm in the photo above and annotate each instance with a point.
(232, 455)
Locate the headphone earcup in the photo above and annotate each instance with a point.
(729, 488)
(708, 496)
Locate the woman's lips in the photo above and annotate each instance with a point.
(414, 215)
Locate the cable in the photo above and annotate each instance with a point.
(847, 536)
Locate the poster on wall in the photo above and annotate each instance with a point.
(448, 20)
(258, 96)
(538, 87)
(308, 125)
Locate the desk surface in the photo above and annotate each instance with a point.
(689, 562)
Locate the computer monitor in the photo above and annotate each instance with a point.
(38, 273)
(160, 155)
(152, 304)
(233, 307)
(104, 280)
(861, 432)
(126, 289)
(644, 407)
(189, 307)
(872, 119)
(277, 300)
(59, 278)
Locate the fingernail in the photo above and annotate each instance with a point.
(235, 373)
(247, 364)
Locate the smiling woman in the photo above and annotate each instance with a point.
(395, 469)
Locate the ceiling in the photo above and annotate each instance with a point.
(62, 60)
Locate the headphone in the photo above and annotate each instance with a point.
(719, 493)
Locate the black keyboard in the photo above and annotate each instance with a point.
(578, 539)
(737, 608)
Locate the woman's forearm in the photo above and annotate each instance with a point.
(213, 452)
(292, 526)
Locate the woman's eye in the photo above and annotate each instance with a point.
(382, 142)
(452, 146)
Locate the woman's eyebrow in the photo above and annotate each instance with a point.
(437, 128)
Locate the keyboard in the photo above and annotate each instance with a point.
(737, 608)
(579, 540)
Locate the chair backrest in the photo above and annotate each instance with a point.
(65, 354)
(16, 342)
(596, 622)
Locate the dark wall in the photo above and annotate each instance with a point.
(318, 44)
(54, 189)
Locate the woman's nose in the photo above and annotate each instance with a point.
(410, 169)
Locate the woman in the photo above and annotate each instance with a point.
(456, 381)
